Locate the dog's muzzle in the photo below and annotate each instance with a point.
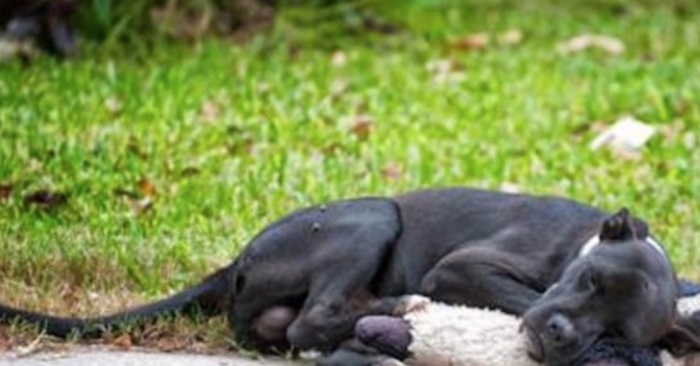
(535, 349)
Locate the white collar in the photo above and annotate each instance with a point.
(595, 240)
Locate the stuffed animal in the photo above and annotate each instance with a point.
(435, 334)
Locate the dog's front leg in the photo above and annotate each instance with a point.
(483, 277)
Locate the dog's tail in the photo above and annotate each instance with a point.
(208, 298)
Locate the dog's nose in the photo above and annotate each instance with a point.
(560, 330)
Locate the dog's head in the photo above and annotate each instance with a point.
(621, 288)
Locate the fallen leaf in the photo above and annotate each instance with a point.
(170, 344)
(392, 172)
(580, 43)
(339, 59)
(471, 42)
(510, 37)
(123, 342)
(445, 70)
(5, 191)
(147, 188)
(210, 112)
(46, 199)
(362, 126)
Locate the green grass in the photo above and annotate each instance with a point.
(280, 137)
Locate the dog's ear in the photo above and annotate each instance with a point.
(622, 226)
(684, 336)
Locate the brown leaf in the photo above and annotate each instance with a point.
(123, 342)
(5, 191)
(45, 199)
(445, 70)
(471, 42)
(392, 172)
(170, 344)
(510, 37)
(583, 42)
(147, 188)
(362, 126)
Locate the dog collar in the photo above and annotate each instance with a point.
(595, 240)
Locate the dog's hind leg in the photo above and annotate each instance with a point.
(320, 262)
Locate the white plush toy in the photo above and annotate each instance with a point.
(446, 335)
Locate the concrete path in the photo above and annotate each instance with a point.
(101, 357)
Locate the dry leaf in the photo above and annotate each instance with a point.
(339, 59)
(170, 344)
(445, 70)
(5, 191)
(147, 188)
(392, 172)
(45, 199)
(142, 201)
(209, 112)
(362, 126)
(471, 42)
(608, 44)
(510, 37)
(123, 342)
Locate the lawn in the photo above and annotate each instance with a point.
(164, 161)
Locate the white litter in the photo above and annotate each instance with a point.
(627, 134)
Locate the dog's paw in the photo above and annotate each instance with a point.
(410, 304)
(389, 335)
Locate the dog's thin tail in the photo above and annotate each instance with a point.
(207, 298)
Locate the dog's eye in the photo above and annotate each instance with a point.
(595, 283)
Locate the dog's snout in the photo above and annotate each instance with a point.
(560, 330)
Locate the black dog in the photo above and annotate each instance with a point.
(573, 272)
